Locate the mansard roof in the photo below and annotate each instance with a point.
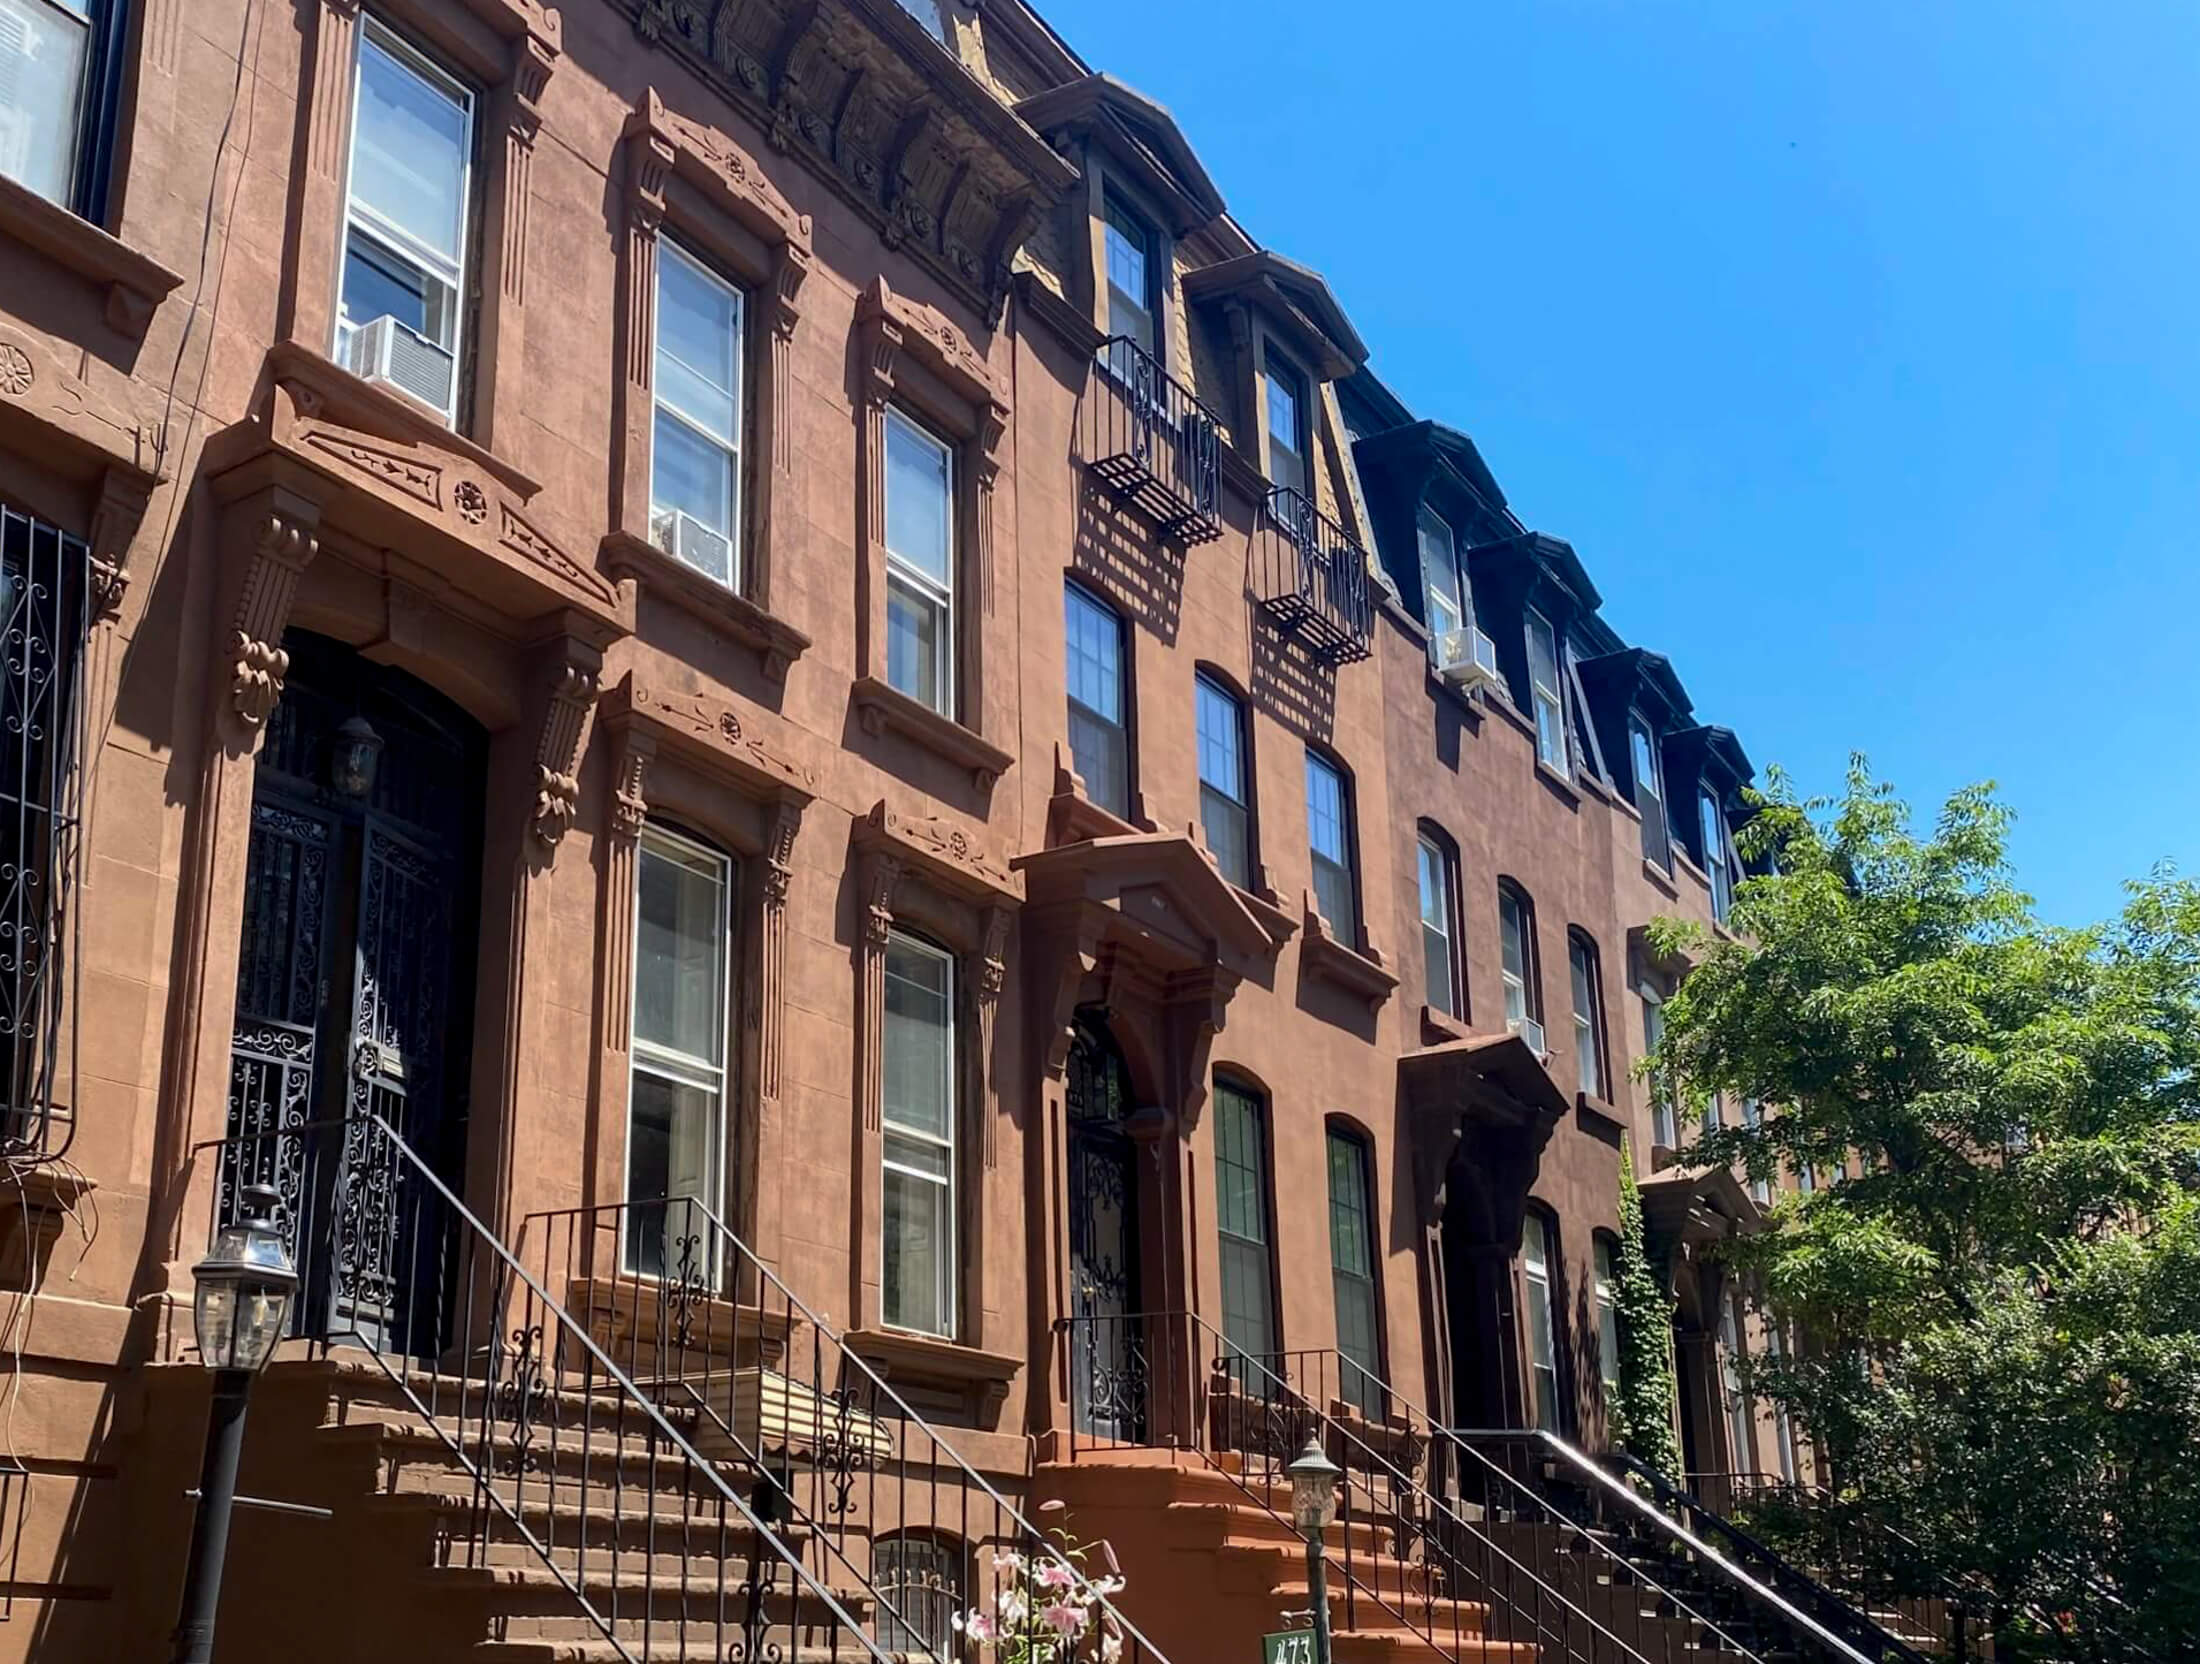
(1137, 131)
(1554, 557)
(1292, 293)
(1642, 668)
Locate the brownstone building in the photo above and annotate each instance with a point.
(861, 835)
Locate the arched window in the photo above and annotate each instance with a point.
(1352, 1270)
(1242, 1220)
(1518, 963)
(919, 1578)
(1607, 1304)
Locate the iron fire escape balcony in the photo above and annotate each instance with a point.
(1311, 575)
(1153, 444)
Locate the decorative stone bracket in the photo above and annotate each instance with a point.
(285, 538)
(564, 733)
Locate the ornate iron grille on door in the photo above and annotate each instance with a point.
(1109, 1377)
(45, 623)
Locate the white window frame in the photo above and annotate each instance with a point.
(1147, 307)
(1642, 742)
(1440, 934)
(1716, 866)
(927, 589)
(1551, 698)
(1520, 1001)
(1538, 1283)
(1605, 1270)
(950, 1258)
(1277, 371)
(1446, 611)
(734, 448)
(1665, 1127)
(664, 1062)
(393, 241)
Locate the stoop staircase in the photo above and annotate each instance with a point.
(682, 1465)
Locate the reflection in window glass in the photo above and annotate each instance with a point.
(1241, 1215)
(1099, 745)
(920, 564)
(1439, 956)
(1329, 832)
(919, 1275)
(1225, 815)
(1536, 1275)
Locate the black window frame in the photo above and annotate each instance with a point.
(1365, 1388)
(1205, 678)
(1347, 931)
(1531, 957)
(1428, 834)
(1277, 364)
(1114, 206)
(1126, 725)
(96, 144)
(1579, 941)
(1658, 852)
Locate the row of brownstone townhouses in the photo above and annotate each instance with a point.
(861, 847)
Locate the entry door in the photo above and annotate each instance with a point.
(1110, 1373)
(401, 964)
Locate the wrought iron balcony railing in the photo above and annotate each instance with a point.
(1311, 575)
(1152, 443)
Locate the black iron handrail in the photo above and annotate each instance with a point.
(717, 1304)
(400, 1269)
(1246, 1421)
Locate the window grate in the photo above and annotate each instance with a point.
(45, 623)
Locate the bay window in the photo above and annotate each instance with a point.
(1352, 1273)
(920, 564)
(404, 280)
(1225, 803)
(1099, 741)
(695, 446)
(1439, 930)
(919, 1276)
(676, 1096)
(1329, 835)
(1549, 702)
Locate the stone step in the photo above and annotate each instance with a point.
(533, 1602)
(1404, 1646)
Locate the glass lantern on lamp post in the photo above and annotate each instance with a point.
(1313, 1506)
(240, 1309)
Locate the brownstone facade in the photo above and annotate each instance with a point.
(914, 214)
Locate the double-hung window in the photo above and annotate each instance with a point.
(1536, 1275)
(1352, 1273)
(1284, 391)
(1241, 1215)
(1753, 1117)
(1447, 602)
(920, 564)
(1129, 254)
(1099, 740)
(1225, 804)
(1588, 1019)
(1607, 1303)
(695, 447)
(1550, 702)
(1439, 933)
(1715, 863)
(676, 1098)
(1664, 1122)
(918, 1277)
(60, 72)
(403, 288)
(1516, 964)
(1657, 847)
(1329, 835)
(1741, 1420)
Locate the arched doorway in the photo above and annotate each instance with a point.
(354, 976)
(1109, 1376)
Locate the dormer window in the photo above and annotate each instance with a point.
(404, 271)
(1657, 844)
(1544, 688)
(1133, 303)
(1716, 864)
(1283, 391)
(1447, 606)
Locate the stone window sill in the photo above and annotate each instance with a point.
(1441, 1027)
(136, 283)
(1561, 786)
(881, 707)
(776, 642)
(1600, 1110)
(939, 1367)
(1356, 971)
(1659, 879)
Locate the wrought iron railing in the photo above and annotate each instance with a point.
(46, 606)
(1151, 442)
(880, 1499)
(566, 1453)
(1406, 1554)
(1311, 575)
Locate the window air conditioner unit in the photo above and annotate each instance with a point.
(386, 351)
(687, 540)
(1466, 658)
(1531, 1031)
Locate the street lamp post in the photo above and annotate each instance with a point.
(1313, 1505)
(240, 1310)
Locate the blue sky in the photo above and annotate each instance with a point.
(1852, 346)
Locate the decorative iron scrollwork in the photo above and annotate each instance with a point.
(519, 1397)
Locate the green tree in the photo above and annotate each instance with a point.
(1642, 1420)
(2001, 1308)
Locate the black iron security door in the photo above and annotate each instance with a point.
(353, 984)
(1109, 1379)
